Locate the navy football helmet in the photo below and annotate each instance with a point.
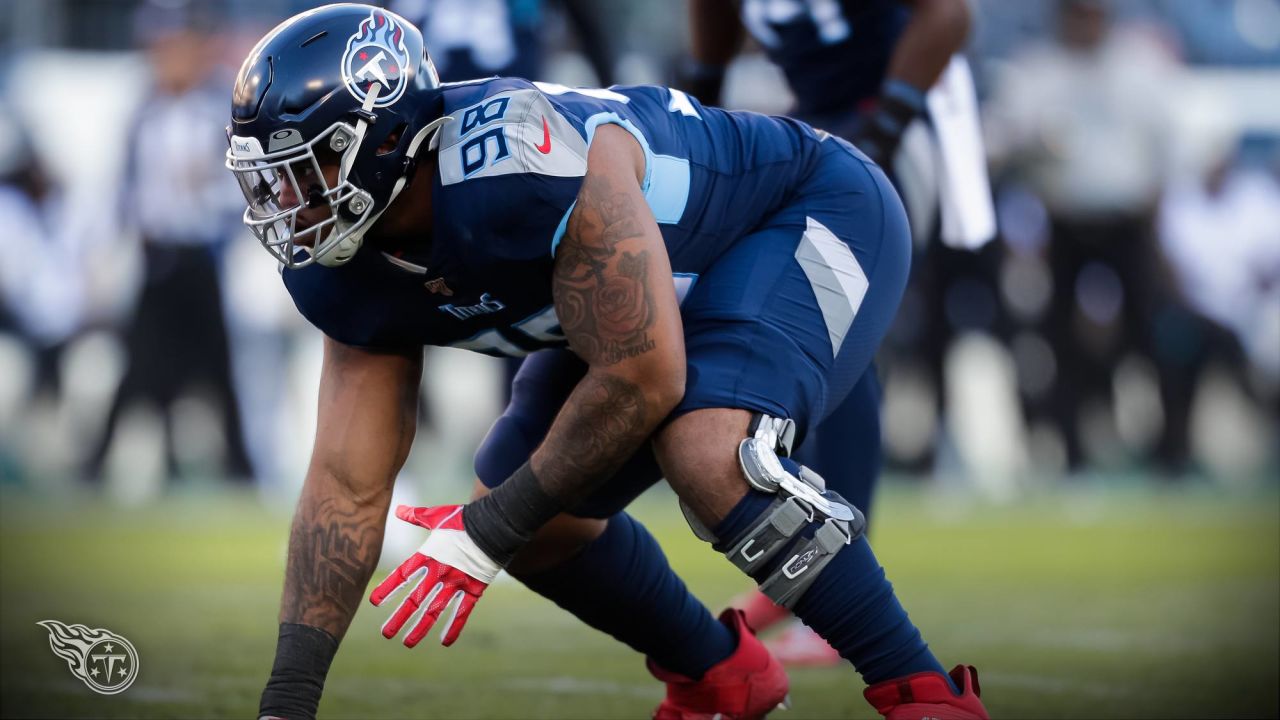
(329, 111)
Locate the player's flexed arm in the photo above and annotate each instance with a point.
(616, 303)
(366, 422)
(617, 306)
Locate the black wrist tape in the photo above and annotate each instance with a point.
(503, 521)
(303, 656)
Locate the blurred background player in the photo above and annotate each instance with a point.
(1100, 179)
(866, 70)
(41, 289)
(184, 211)
(1220, 236)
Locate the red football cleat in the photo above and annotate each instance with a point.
(928, 695)
(761, 613)
(747, 685)
(799, 646)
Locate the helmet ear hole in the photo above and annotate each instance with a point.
(392, 141)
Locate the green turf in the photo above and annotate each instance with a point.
(1126, 603)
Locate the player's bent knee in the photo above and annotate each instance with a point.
(695, 452)
(802, 528)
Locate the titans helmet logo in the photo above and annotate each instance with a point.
(104, 661)
(376, 54)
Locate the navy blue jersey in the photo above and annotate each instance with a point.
(835, 53)
(509, 166)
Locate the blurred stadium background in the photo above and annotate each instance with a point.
(1081, 495)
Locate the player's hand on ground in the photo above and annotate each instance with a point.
(449, 570)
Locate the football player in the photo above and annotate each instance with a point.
(860, 69)
(697, 288)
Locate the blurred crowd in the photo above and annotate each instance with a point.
(1127, 319)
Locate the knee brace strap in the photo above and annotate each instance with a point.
(781, 522)
(789, 581)
(802, 529)
(804, 526)
(781, 529)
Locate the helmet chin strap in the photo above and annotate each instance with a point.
(345, 249)
(362, 126)
(412, 150)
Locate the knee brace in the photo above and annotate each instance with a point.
(801, 530)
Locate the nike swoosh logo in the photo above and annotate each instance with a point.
(545, 147)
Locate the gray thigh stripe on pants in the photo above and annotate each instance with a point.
(836, 277)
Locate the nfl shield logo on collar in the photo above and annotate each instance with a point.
(438, 286)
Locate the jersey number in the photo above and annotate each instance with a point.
(476, 152)
(488, 147)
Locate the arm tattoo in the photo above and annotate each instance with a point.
(608, 310)
(606, 315)
(601, 425)
(333, 549)
(337, 528)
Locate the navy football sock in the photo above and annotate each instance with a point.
(622, 585)
(851, 604)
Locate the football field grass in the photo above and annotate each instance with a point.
(1086, 603)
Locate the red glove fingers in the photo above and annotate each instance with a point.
(461, 611)
(457, 588)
